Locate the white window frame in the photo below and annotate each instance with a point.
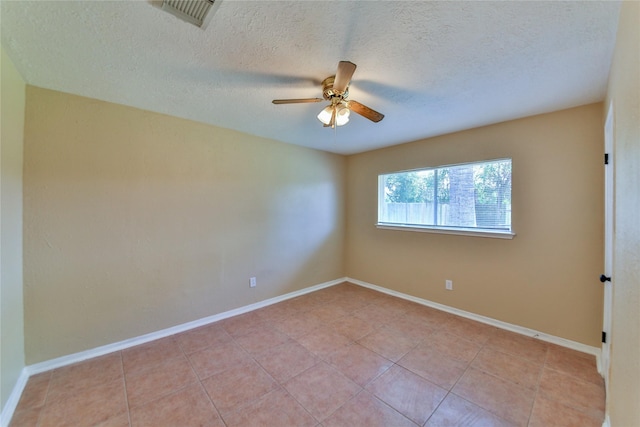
(460, 231)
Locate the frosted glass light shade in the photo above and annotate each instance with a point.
(342, 115)
(325, 115)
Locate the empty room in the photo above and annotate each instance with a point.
(320, 213)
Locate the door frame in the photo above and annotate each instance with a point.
(608, 242)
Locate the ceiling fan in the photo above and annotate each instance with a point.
(335, 89)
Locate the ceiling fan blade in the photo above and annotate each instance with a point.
(296, 101)
(343, 76)
(365, 111)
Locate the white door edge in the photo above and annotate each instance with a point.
(608, 241)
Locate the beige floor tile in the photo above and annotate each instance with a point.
(365, 410)
(35, 392)
(262, 339)
(321, 390)
(117, 421)
(187, 407)
(454, 346)
(276, 312)
(352, 327)
(579, 365)
(351, 303)
(286, 361)
(570, 391)
(435, 319)
(166, 378)
(389, 312)
(399, 305)
(86, 406)
(84, 375)
(375, 316)
(25, 417)
(387, 344)
(548, 413)
(380, 298)
(202, 337)
(304, 303)
(327, 314)
(469, 329)
(358, 363)
(238, 386)
(147, 355)
(454, 411)
(411, 327)
(503, 398)
(296, 326)
(408, 393)
(216, 359)
(326, 295)
(242, 324)
(509, 367)
(323, 341)
(276, 408)
(526, 347)
(433, 366)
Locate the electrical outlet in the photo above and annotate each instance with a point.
(448, 284)
(252, 282)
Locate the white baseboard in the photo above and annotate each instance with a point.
(12, 403)
(487, 320)
(606, 422)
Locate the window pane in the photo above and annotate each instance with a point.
(408, 197)
(475, 195)
(493, 194)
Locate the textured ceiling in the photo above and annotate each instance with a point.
(430, 67)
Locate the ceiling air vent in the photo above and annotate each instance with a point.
(196, 12)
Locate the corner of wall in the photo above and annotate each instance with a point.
(12, 359)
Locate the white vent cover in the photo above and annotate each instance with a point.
(197, 12)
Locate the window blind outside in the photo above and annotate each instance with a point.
(467, 196)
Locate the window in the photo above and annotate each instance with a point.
(473, 198)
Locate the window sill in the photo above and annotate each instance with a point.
(494, 234)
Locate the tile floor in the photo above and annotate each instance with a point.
(341, 356)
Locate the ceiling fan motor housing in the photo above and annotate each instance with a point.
(327, 90)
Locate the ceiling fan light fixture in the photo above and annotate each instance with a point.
(325, 115)
(342, 115)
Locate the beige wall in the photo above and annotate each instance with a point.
(136, 221)
(623, 400)
(546, 277)
(11, 304)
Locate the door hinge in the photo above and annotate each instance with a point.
(604, 337)
(606, 158)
